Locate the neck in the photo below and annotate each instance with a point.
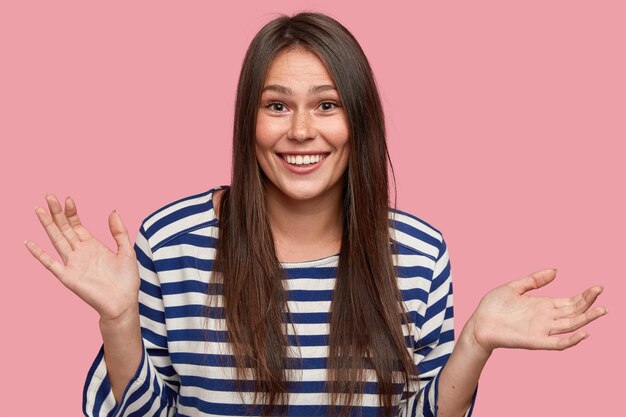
(305, 230)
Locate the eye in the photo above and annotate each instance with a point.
(327, 106)
(276, 107)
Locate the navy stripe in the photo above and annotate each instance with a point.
(144, 259)
(185, 286)
(436, 308)
(414, 294)
(172, 264)
(417, 219)
(181, 200)
(150, 289)
(292, 411)
(176, 356)
(228, 385)
(179, 214)
(89, 380)
(416, 233)
(413, 271)
(152, 314)
(101, 395)
(441, 279)
(154, 338)
(317, 273)
(192, 239)
(308, 295)
(309, 318)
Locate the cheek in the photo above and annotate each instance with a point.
(345, 158)
(339, 131)
(268, 130)
(261, 135)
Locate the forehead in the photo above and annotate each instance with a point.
(297, 66)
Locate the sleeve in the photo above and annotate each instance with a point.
(153, 390)
(436, 339)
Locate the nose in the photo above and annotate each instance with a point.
(301, 127)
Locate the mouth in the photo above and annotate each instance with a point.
(303, 159)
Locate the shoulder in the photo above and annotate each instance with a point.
(179, 217)
(414, 235)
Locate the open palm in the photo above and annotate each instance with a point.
(108, 281)
(509, 317)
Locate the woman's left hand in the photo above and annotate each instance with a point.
(508, 317)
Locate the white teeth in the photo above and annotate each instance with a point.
(303, 159)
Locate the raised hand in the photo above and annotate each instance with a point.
(509, 317)
(108, 281)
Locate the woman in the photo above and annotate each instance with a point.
(295, 290)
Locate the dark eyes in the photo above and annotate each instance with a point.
(277, 107)
(325, 106)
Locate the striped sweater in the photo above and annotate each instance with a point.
(186, 368)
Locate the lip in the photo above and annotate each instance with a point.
(304, 153)
(300, 169)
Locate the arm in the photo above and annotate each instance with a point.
(459, 377)
(152, 384)
(109, 282)
(436, 353)
(106, 280)
(508, 317)
(123, 350)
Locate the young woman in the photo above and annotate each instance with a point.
(296, 290)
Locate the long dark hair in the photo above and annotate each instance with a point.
(367, 312)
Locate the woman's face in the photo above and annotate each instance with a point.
(302, 135)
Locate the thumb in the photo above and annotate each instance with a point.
(533, 281)
(120, 234)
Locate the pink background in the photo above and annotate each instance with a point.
(506, 127)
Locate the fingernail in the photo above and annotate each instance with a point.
(586, 336)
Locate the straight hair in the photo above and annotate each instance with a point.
(367, 311)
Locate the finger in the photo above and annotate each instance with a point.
(58, 239)
(120, 234)
(558, 343)
(567, 325)
(578, 304)
(46, 260)
(61, 221)
(534, 280)
(72, 217)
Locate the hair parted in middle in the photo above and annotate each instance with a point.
(367, 312)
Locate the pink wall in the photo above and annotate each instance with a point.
(506, 127)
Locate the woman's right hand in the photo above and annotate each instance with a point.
(108, 281)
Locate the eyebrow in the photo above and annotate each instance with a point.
(287, 91)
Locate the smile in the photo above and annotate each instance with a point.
(303, 159)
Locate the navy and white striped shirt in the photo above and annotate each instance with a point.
(187, 368)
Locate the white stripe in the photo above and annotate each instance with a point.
(172, 229)
(228, 397)
(402, 218)
(420, 256)
(416, 244)
(175, 207)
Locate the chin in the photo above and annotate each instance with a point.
(303, 192)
